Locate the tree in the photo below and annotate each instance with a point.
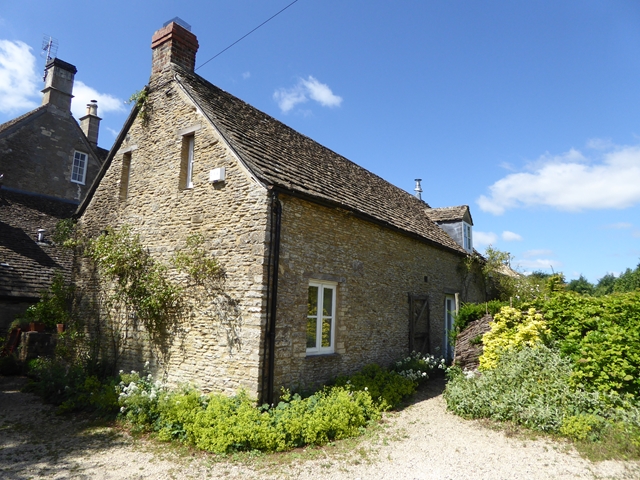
(628, 281)
(582, 286)
(605, 285)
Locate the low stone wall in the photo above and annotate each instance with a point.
(468, 350)
(37, 344)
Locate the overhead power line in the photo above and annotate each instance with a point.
(245, 36)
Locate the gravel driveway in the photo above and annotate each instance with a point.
(423, 441)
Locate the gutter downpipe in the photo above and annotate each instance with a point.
(272, 297)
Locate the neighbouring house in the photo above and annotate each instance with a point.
(328, 266)
(47, 163)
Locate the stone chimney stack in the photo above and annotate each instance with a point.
(174, 43)
(58, 84)
(90, 123)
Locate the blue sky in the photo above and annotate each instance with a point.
(529, 112)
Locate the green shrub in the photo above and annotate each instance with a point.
(138, 397)
(72, 387)
(223, 424)
(602, 337)
(470, 312)
(512, 330)
(54, 305)
(584, 426)
(386, 388)
(529, 386)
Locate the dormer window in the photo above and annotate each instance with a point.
(468, 241)
(79, 169)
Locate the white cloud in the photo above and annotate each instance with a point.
(539, 264)
(304, 90)
(18, 78)
(508, 236)
(537, 253)
(619, 225)
(246, 75)
(483, 239)
(321, 93)
(83, 94)
(600, 143)
(570, 182)
(287, 99)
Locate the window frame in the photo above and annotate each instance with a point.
(322, 285)
(125, 176)
(191, 140)
(467, 237)
(187, 157)
(85, 160)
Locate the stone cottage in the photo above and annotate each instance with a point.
(329, 266)
(47, 163)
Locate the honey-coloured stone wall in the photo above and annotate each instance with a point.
(219, 340)
(376, 269)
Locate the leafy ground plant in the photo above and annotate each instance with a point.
(73, 387)
(223, 424)
(531, 387)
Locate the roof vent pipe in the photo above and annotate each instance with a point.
(41, 232)
(418, 189)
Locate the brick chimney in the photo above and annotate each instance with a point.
(58, 84)
(174, 43)
(90, 123)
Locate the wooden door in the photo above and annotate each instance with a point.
(419, 324)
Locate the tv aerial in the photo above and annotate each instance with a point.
(49, 51)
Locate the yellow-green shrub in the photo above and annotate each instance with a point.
(512, 329)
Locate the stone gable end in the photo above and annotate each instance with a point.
(218, 346)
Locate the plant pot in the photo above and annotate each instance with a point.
(60, 327)
(36, 327)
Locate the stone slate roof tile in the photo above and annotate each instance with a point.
(279, 156)
(27, 267)
(16, 121)
(448, 214)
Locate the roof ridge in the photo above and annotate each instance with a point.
(14, 122)
(282, 157)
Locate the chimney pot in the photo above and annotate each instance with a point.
(90, 123)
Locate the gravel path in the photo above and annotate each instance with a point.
(421, 442)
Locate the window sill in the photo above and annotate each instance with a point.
(322, 355)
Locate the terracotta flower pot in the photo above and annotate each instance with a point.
(36, 327)
(60, 327)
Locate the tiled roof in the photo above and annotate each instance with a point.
(281, 157)
(7, 125)
(27, 267)
(449, 214)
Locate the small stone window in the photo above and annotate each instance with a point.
(186, 163)
(124, 176)
(321, 317)
(79, 168)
